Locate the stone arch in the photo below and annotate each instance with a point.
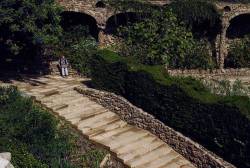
(121, 19)
(222, 42)
(227, 9)
(100, 4)
(238, 26)
(71, 18)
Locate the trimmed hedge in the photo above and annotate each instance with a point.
(221, 124)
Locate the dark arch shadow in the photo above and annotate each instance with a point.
(121, 19)
(239, 26)
(227, 9)
(70, 19)
(100, 4)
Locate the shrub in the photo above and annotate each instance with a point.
(239, 54)
(161, 39)
(30, 133)
(80, 54)
(78, 47)
(26, 28)
(219, 123)
(199, 15)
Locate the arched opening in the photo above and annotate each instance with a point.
(121, 19)
(100, 4)
(239, 27)
(71, 19)
(227, 9)
(238, 34)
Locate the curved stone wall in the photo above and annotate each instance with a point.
(198, 155)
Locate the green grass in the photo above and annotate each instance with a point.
(191, 86)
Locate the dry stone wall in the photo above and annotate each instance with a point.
(198, 155)
(209, 73)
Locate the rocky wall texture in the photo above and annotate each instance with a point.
(198, 155)
(204, 73)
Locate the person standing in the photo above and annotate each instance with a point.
(63, 63)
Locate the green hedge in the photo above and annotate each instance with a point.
(219, 123)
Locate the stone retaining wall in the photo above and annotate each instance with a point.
(205, 73)
(198, 155)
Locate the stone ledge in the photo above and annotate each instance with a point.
(215, 72)
(197, 154)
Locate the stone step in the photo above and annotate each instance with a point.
(60, 99)
(161, 161)
(106, 125)
(178, 162)
(85, 115)
(82, 106)
(94, 119)
(126, 139)
(102, 138)
(90, 131)
(59, 107)
(127, 148)
(142, 150)
(77, 107)
(149, 157)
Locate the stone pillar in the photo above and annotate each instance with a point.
(107, 39)
(101, 38)
(222, 44)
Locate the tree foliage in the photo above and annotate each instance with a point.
(78, 46)
(26, 26)
(201, 16)
(161, 39)
(239, 54)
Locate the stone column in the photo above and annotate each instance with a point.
(222, 44)
(101, 38)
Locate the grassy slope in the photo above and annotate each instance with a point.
(191, 86)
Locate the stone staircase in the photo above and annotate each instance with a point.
(132, 146)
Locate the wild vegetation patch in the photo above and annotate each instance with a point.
(36, 139)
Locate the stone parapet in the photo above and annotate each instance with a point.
(198, 155)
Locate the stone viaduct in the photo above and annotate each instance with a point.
(102, 14)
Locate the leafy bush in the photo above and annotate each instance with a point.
(78, 47)
(239, 54)
(80, 54)
(219, 123)
(26, 28)
(161, 39)
(199, 15)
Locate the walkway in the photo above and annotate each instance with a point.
(133, 146)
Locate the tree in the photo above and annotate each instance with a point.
(201, 16)
(161, 39)
(26, 27)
